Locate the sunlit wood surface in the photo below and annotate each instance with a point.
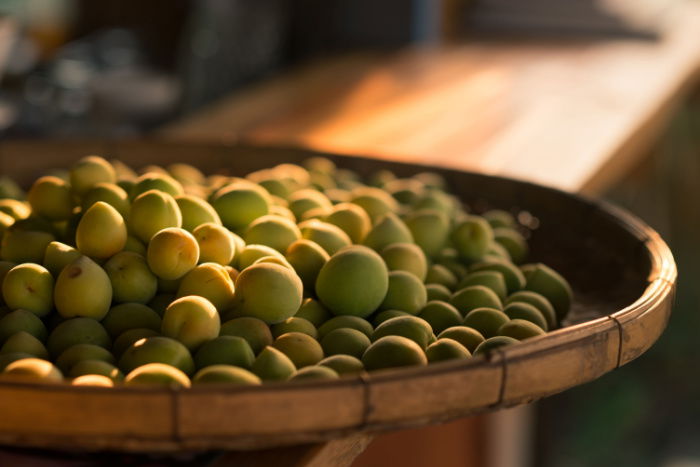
(574, 115)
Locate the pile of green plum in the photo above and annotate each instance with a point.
(171, 277)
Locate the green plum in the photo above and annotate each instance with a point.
(77, 331)
(384, 315)
(492, 279)
(152, 212)
(513, 241)
(375, 201)
(126, 316)
(273, 365)
(406, 191)
(330, 237)
(520, 329)
(59, 255)
(430, 230)
(440, 315)
(131, 278)
(472, 238)
(353, 282)
(446, 349)
(240, 203)
(186, 174)
(522, 310)
(127, 338)
(22, 244)
(500, 218)
(550, 284)
(352, 219)
(486, 320)
(157, 349)
(469, 337)
(192, 320)
(15, 208)
(92, 380)
(225, 350)
(493, 343)
(387, 230)
(343, 364)
(135, 245)
(439, 274)
(211, 281)
(313, 311)
(251, 253)
(538, 301)
(406, 257)
(96, 367)
(226, 374)
(156, 181)
(345, 341)
(302, 349)
(79, 352)
(110, 193)
(475, 296)
(88, 172)
(438, 292)
(346, 321)
(269, 292)
(29, 287)
(515, 280)
(83, 288)
(411, 327)
(294, 324)
(307, 199)
(32, 370)
(50, 197)
(7, 358)
(157, 374)
(22, 320)
(273, 231)
(23, 342)
(405, 293)
(216, 244)
(315, 372)
(393, 352)
(195, 212)
(307, 258)
(172, 253)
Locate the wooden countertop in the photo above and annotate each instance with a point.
(576, 115)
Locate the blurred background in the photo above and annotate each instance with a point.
(121, 68)
(117, 68)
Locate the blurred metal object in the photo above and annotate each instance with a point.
(8, 33)
(100, 85)
(229, 42)
(139, 94)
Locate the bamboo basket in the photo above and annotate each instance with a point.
(622, 273)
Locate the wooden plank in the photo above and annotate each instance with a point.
(573, 115)
(575, 361)
(137, 418)
(254, 414)
(337, 453)
(461, 443)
